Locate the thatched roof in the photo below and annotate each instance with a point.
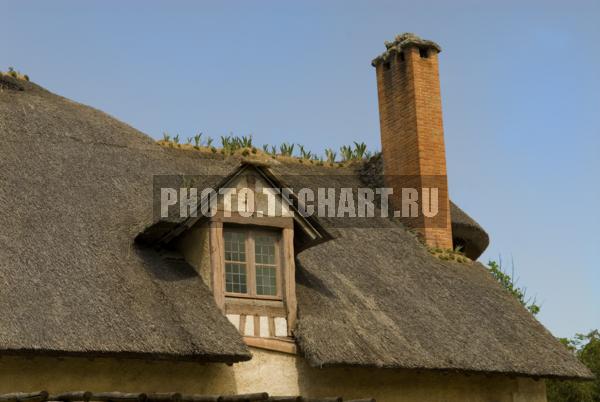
(465, 230)
(375, 297)
(79, 187)
(76, 186)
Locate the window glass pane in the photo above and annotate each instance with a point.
(264, 248)
(235, 248)
(266, 280)
(235, 277)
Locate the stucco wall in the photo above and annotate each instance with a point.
(273, 372)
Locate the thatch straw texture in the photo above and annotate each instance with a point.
(76, 186)
(77, 189)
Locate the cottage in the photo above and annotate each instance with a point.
(100, 293)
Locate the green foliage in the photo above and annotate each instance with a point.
(197, 139)
(231, 144)
(506, 280)
(346, 153)
(246, 142)
(330, 155)
(586, 347)
(304, 154)
(286, 149)
(359, 150)
(16, 74)
(447, 254)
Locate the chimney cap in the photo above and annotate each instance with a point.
(403, 41)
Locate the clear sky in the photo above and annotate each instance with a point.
(520, 86)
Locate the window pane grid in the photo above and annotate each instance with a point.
(253, 273)
(235, 246)
(235, 278)
(266, 280)
(264, 249)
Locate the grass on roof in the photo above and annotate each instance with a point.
(15, 74)
(243, 147)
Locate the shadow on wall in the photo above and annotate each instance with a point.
(19, 374)
(411, 385)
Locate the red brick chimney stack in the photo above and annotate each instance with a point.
(412, 132)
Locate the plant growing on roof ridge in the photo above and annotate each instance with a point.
(166, 136)
(359, 150)
(508, 282)
(209, 141)
(198, 139)
(346, 153)
(189, 140)
(227, 144)
(12, 72)
(304, 154)
(286, 149)
(330, 155)
(176, 139)
(245, 141)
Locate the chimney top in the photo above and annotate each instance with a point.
(403, 41)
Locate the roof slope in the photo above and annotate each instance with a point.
(78, 187)
(79, 184)
(374, 296)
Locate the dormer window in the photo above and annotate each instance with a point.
(247, 258)
(252, 263)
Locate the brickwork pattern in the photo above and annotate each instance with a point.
(412, 132)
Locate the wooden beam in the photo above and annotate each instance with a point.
(39, 396)
(266, 221)
(261, 396)
(270, 308)
(278, 345)
(289, 278)
(118, 396)
(216, 263)
(71, 396)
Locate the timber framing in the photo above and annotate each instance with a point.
(87, 396)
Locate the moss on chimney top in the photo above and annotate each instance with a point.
(403, 41)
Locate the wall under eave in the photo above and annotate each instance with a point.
(272, 372)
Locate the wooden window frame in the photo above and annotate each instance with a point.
(250, 235)
(287, 261)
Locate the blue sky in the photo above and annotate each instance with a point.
(520, 86)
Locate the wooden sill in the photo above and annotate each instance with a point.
(278, 345)
(252, 297)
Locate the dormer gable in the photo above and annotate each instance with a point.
(245, 253)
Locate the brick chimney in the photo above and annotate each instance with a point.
(412, 133)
